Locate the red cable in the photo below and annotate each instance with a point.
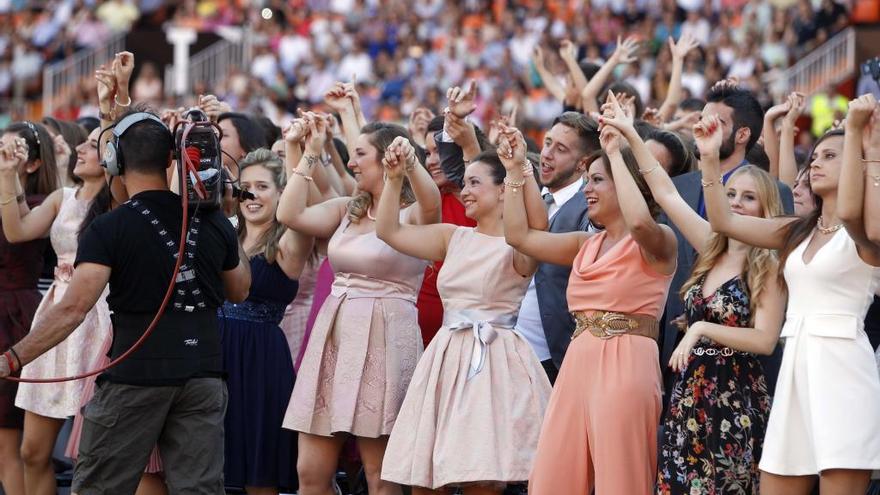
(180, 255)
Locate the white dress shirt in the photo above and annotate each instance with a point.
(528, 324)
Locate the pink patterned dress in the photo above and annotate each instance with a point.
(365, 343)
(80, 350)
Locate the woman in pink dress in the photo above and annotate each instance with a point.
(366, 340)
(472, 413)
(62, 216)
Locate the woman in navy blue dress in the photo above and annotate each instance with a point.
(260, 455)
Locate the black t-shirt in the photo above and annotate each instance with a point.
(141, 264)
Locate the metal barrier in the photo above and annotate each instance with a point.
(62, 79)
(829, 64)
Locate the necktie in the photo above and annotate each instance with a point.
(548, 199)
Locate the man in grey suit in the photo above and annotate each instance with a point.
(544, 319)
(741, 119)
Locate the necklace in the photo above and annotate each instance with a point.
(827, 230)
(370, 215)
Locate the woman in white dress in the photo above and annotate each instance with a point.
(824, 419)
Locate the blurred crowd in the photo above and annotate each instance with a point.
(403, 53)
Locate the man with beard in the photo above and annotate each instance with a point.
(544, 319)
(741, 119)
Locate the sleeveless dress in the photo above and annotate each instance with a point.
(600, 429)
(365, 343)
(20, 266)
(718, 407)
(430, 303)
(82, 348)
(827, 402)
(259, 377)
(459, 425)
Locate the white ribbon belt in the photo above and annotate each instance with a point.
(482, 324)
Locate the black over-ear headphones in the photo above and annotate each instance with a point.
(113, 160)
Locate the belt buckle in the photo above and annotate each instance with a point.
(609, 325)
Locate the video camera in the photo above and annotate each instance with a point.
(198, 154)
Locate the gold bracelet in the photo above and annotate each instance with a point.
(527, 169)
(7, 201)
(646, 172)
(708, 183)
(304, 176)
(514, 185)
(116, 100)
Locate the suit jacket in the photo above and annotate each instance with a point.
(689, 187)
(551, 281)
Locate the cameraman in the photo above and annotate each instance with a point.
(170, 392)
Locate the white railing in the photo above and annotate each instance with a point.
(62, 79)
(212, 65)
(829, 64)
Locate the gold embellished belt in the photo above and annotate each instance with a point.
(605, 324)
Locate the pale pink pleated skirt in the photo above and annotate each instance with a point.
(356, 367)
(453, 430)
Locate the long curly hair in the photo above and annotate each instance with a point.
(380, 135)
(267, 245)
(759, 263)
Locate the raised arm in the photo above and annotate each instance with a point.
(624, 53)
(694, 228)
(293, 253)
(427, 242)
(871, 151)
(557, 248)
(568, 53)
(787, 161)
(657, 242)
(863, 112)
(547, 78)
(20, 223)
(339, 99)
(761, 338)
(319, 220)
(679, 51)
(756, 231)
(426, 209)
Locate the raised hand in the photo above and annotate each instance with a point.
(13, 155)
(62, 150)
(614, 115)
(295, 131)
(730, 82)
(338, 97)
(796, 105)
(860, 111)
(626, 50)
(685, 44)
(212, 106)
(123, 66)
(707, 135)
(652, 116)
(317, 133)
(106, 86)
(686, 121)
(777, 111)
(418, 123)
(400, 158)
(462, 102)
(568, 50)
(511, 147)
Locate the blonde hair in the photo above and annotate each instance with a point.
(268, 241)
(760, 263)
(380, 135)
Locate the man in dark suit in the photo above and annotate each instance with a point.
(741, 119)
(543, 318)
